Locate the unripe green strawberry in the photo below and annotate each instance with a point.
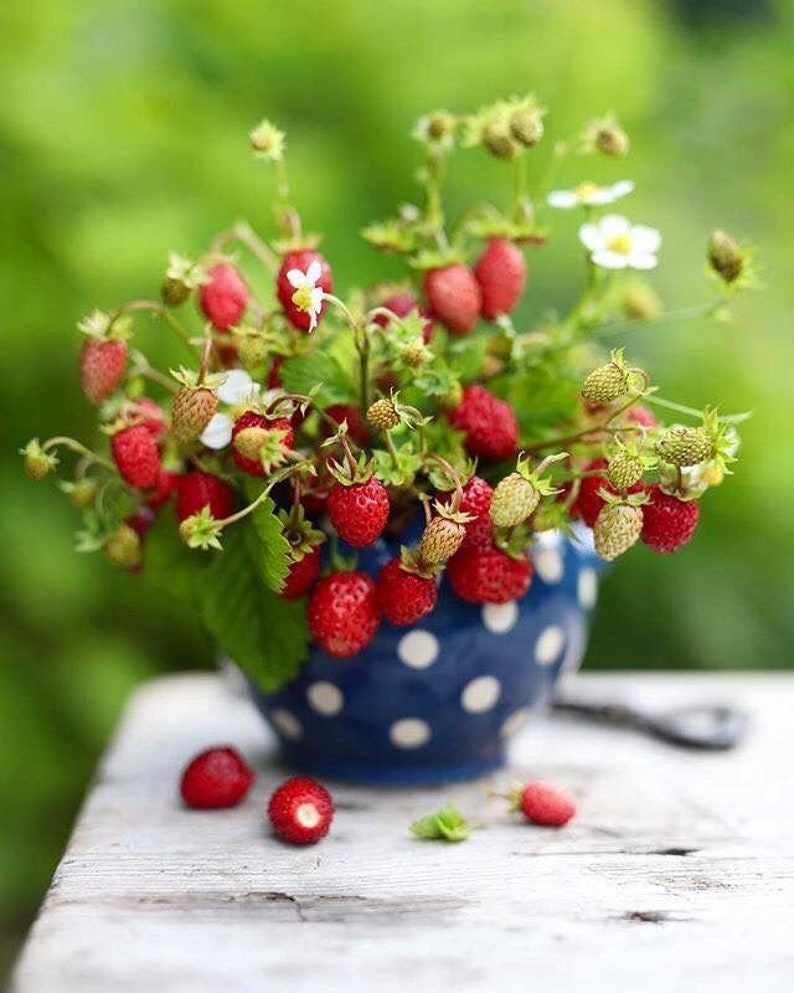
(415, 354)
(513, 501)
(123, 547)
(606, 383)
(174, 291)
(441, 539)
(253, 352)
(625, 469)
(383, 415)
(617, 528)
(685, 446)
(191, 411)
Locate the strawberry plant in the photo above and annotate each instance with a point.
(305, 425)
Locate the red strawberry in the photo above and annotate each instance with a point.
(302, 575)
(136, 455)
(196, 490)
(403, 304)
(217, 777)
(476, 501)
(102, 365)
(359, 512)
(668, 523)
(454, 296)
(488, 576)
(501, 271)
(301, 811)
(404, 597)
(298, 318)
(356, 425)
(343, 613)
(260, 431)
(167, 484)
(489, 424)
(543, 804)
(224, 298)
(589, 503)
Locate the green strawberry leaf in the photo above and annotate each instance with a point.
(304, 372)
(268, 547)
(445, 825)
(265, 635)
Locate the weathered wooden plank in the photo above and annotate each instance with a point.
(678, 872)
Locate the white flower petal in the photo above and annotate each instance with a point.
(591, 237)
(218, 433)
(317, 299)
(640, 260)
(313, 273)
(621, 189)
(235, 388)
(596, 198)
(645, 239)
(296, 278)
(610, 260)
(612, 225)
(563, 199)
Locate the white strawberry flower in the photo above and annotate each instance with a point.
(236, 388)
(308, 296)
(615, 243)
(589, 195)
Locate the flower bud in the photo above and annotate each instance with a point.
(612, 141)
(526, 126)
(497, 140)
(725, 257)
(440, 124)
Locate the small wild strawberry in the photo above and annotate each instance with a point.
(303, 574)
(454, 297)
(489, 424)
(441, 538)
(301, 811)
(102, 366)
(683, 446)
(383, 414)
(501, 272)
(476, 503)
(136, 456)
(668, 523)
(514, 500)
(617, 528)
(191, 411)
(215, 778)
(403, 596)
(543, 804)
(606, 383)
(123, 547)
(301, 260)
(224, 297)
(359, 511)
(343, 613)
(488, 575)
(196, 490)
(260, 443)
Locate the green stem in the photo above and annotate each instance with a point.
(392, 449)
(75, 446)
(274, 480)
(682, 314)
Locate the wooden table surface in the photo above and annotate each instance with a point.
(677, 874)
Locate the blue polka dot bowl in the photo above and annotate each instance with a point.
(436, 701)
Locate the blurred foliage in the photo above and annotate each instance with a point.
(123, 134)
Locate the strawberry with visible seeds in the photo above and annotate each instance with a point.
(454, 297)
(343, 613)
(404, 597)
(489, 575)
(301, 811)
(102, 365)
(501, 272)
(589, 503)
(668, 523)
(489, 424)
(196, 490)
(543, 804)
(302, 575)
(215, 778)
(476, 502)
(260, 443)
(191, 411)
(301, 319)
(136, 456)
(359, 511)
(224, 298)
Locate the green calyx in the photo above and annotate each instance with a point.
(201, 530)
(38, 462)
(445, 825)
(302, 537)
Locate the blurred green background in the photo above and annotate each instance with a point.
(123, 134)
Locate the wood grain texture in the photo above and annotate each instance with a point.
(677, 874)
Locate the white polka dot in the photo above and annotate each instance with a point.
(500, 617)
(410, 732)
(549, 645)
(325, 698)
(287, 723)
(548, 539)
(418, 649)
(587, 588)
(515, 721)
(480, 694)
(549, 565)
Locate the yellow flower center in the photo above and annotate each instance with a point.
(302, 297)
(585, 190)
(620, 243)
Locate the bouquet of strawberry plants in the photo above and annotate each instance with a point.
(306, 425)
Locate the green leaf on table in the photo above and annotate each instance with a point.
(265, 635)
(268, 546)
(445, 825)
